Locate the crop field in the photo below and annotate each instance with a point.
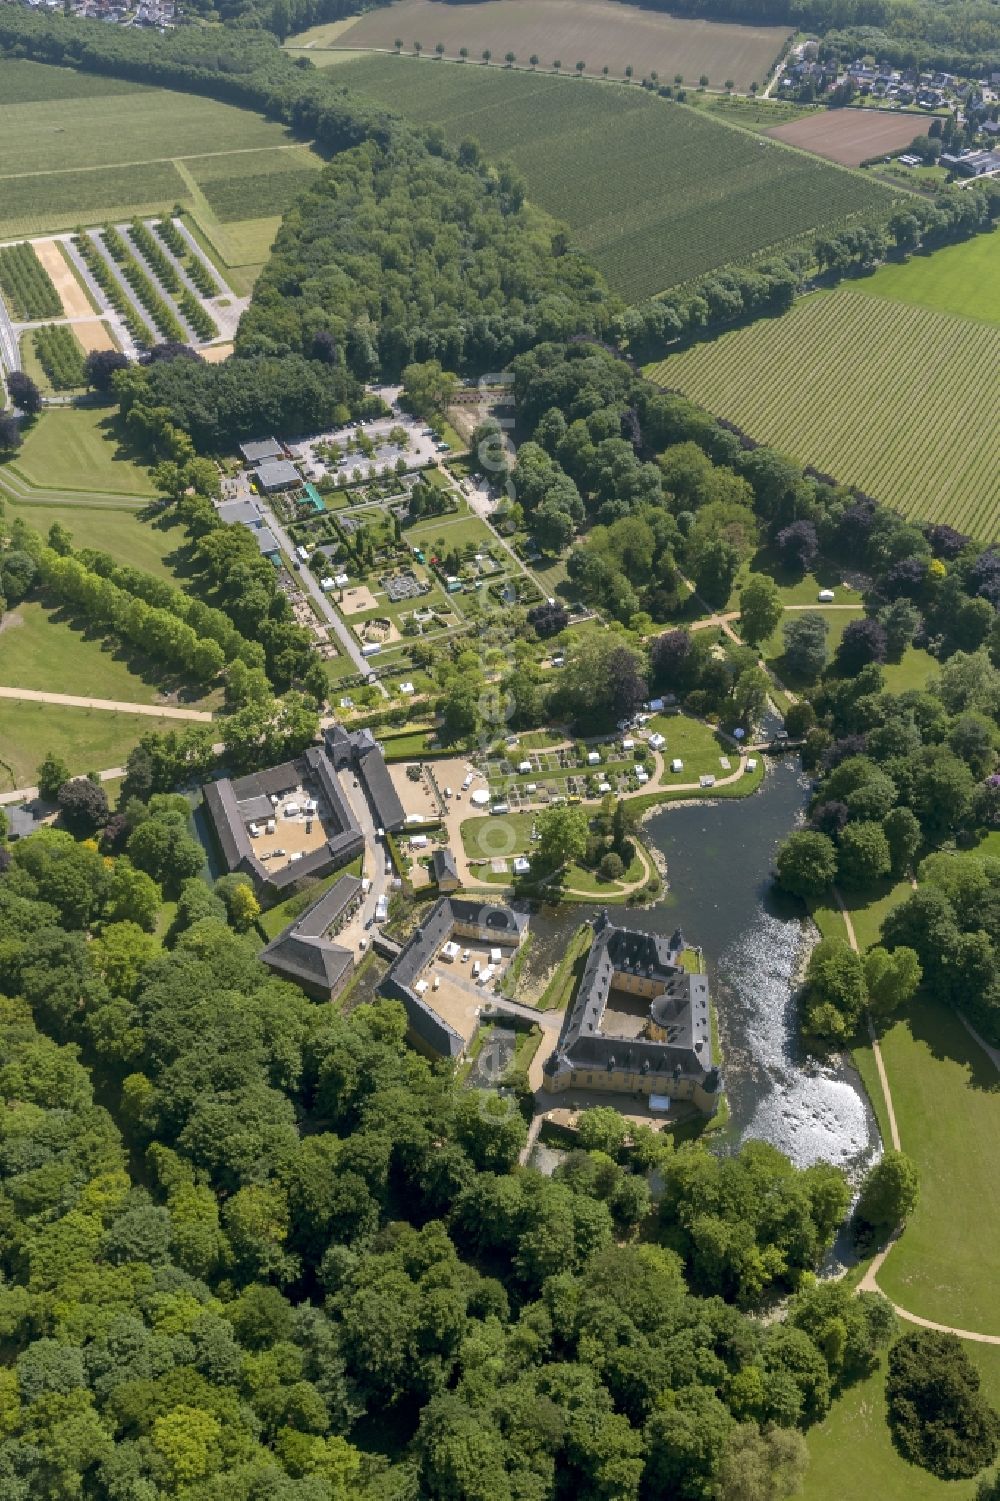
(962, 279)
(24, 82)
(657, 193)
(269, 181)
(903, 401)
(850, 136)
(54, 177)
(597, 31)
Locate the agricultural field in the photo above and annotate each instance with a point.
(962, 279)
(91, 174)
(61, 357)
(877, 392)
(26, 285)
(269, 180)
(655, 192)
(850, 136)
(25, 82)
(598, 31)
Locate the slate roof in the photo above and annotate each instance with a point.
(444, 865)
(302, 952)
(21, 821)
(266, 540)
(321, 916)
(377, 782)
(417, 953)
(681, 1008)
(280, 474)
(231, 805)
(239, 513)
(264, 448)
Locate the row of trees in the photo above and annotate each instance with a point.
(739, 294)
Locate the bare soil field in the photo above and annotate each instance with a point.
(216, 353)
(850, 136)
(71, 294)
(357, 599)
(599, 32)
(93, 334)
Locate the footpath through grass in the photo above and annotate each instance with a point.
(86, 739)
(946, 1095)
(45, 648)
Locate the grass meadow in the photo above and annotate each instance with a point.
(898, 398)
(597, 31)
(118, 532)
(961, 279)
(86, 739)
(946, 1095)
(851, 1454)
(45, 648)
(75, 449)
(655, 192)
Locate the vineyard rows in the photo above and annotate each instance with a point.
(26, 285)
(897, 399)
(656, 192)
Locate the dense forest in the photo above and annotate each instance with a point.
(253, 1247)
(414, 254)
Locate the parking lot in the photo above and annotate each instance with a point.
(417, 451)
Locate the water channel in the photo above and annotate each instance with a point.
(719, 857)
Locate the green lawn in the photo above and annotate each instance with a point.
(914, 670)
(868, 908)
(495, 838)
(118, 532)
(946, 1095)
(43, 648)
(795, 588)
(87, 739)
(697, 745)
(961, 279)
(837, 623)
(77, 449)
(852, 1457)
(453, 531)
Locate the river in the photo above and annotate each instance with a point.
(719, 857)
